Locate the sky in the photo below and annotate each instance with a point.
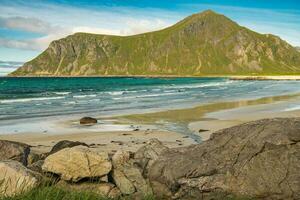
(28, 26)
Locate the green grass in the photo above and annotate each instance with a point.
(56, 193)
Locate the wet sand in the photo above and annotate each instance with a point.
(199, 113)
(206, 119)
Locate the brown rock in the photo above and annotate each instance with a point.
(10, 150)
(76, 163)
(88, 120)
(120, 158)
(16, 178)
(259, 159)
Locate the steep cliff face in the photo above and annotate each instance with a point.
(202, 44)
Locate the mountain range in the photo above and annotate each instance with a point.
(203, 44)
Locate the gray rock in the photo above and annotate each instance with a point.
(10, 150)
(147, 154)
(128, 177)
(36, 166)
(259, 159)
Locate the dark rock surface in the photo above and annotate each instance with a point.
(10, 150)
(88, 120)
(65, 144)
(259, 159)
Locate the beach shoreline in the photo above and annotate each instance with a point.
(231, 77)
(201, 121)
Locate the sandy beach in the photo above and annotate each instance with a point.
(201, 121)
(103, 141)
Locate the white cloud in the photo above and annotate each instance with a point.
(39, 43)
(56, 22)
(26, 24)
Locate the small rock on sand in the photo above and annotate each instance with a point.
(88, 120)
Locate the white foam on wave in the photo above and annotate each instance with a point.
(201, 85)
(29, 99)
(145, 96)
(62, 93)
(70, 103)
(84, 96)
(116, 93)
(292, 108)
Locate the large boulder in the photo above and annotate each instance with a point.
(16, 178)
(76, 163)
(259, 159)
(128, 177)
(65, 144)
(10, 150)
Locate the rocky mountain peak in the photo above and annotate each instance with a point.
(206, 43)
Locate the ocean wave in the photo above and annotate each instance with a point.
(84, 96)
(69, 103)
(292, 108)
(29, 99)
(62, 93)
(143, 96)
(201, 85)
(116, 93)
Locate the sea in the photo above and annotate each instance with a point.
(23, 100)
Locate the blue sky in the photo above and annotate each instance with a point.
(28, 26)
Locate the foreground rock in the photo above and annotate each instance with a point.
(76, 163)
(259, 159)
(88, 120)
(10, 150)
(16, 179)
(128, 177)
(147, 154)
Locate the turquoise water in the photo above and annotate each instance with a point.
(22, 98)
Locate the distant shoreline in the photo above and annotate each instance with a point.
(284, 77)
(231, 77)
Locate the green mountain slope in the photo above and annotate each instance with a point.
(202, 44)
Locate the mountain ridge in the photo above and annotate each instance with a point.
(202, 44)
